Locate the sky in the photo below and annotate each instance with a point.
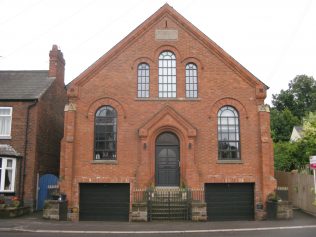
(274, 39)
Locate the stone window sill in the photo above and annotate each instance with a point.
(109, 162)
(164, 99)
(230, 162)
(5, 137)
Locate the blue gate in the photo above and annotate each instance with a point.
(45, 181)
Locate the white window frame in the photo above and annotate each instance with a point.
(7, 136)
(3, 171)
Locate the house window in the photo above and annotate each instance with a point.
(228, 134)
(5, 122)
(167, 75)
(191, 80)
(7, 174)
(143, 80)
(105, 133)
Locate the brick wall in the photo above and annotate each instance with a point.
(113, 81)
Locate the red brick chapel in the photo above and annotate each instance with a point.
(166, 108)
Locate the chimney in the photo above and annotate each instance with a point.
(56, 64)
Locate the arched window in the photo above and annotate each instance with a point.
(105, 133)
(191, 81)
(228, 134)
(143, 80)
(167, 75)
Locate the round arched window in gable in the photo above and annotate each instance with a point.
(167, 75)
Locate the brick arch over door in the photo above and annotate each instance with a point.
(167, 120)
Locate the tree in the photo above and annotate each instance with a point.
(295, 155)
(285, 154)
(282, 124)
(299, 98)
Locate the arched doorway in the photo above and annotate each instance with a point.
(167, 160)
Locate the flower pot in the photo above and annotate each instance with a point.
(272, 208)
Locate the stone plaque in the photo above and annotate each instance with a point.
(166, 34)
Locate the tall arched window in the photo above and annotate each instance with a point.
(105, 133)
(191, 81)
(167, 75)
(228, 134)
(143, 80)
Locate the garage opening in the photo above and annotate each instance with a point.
(104, 202)
(229, 201)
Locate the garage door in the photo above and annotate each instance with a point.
(102, 202)
(234, 201)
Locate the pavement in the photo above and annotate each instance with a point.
(35, 223)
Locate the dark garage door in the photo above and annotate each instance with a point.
(103, 202)
(234, 201)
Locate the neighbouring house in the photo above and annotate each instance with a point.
(31, 127)
(297, 133)
(167, 111)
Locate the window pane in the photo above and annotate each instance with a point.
(9, 163)
(8, 180)
(169, 87)
(5, 111)
(5, 124)
(174, 87)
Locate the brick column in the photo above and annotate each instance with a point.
(268, 180)
(67, 153)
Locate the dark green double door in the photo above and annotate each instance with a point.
(104, 202)
(167, 160)
(229, 201)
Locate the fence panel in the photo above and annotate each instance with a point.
(300, 189)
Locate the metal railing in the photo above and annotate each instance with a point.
(168, 203)
(197, 195)
(139, 195)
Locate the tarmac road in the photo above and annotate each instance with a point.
(302, 225)
(301, 232)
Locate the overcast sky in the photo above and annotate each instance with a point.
(273, 39)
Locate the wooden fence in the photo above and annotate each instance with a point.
(300, 189)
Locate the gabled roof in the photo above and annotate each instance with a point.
(23, 85)
(297, 133)
(166, 10)
(299, 129)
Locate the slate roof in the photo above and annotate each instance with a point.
(299, 130)
(7, 150)
(24, 85)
